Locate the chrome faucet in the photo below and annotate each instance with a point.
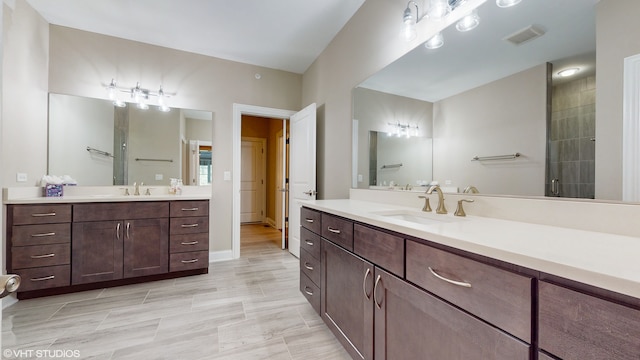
(470, 189)
(441, 209)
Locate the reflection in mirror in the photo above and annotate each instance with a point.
(490, 97)
(397, 160)
(99, 144)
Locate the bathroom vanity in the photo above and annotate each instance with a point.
(392, 282)
(67, 244)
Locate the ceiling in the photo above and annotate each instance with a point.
(280, 34)
(480, 56)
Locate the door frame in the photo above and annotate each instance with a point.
(238, 111)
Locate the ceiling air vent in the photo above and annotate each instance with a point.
(527, 34)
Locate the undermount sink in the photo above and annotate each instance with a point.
(418, 217)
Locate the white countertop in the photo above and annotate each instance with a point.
(33, 195)
(604, 260)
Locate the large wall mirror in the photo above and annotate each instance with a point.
(98, 144)
(491, 103)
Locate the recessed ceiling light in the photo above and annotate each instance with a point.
(568, 72)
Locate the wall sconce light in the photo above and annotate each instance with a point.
(409, 31)
(139, 95)
(405, 130)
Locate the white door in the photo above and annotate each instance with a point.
(302, 172)
(252, 180)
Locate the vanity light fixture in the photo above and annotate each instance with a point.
(438, 9)
(435, 42)
(469, 22)
(406, 130)
(568, 72)
(409, 31)
(507, 3)
(140, 96)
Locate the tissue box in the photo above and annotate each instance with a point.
(51, 190)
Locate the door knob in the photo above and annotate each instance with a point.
(9, 284)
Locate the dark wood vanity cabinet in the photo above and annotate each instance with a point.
(310, 264)
(575, 325)
(119, 240)
(61, 248)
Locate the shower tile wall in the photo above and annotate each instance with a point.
(572, 138)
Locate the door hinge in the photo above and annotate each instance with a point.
(286, 181)
(286, 218)
(287, 142)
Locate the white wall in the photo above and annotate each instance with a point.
(503, 117)
(75, 124)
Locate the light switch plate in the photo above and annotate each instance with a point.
(21, 177)
(159, 177)
(227, 176)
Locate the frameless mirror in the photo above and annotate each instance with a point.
(485, 96)
(98, 144)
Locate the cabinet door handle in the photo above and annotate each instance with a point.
(44, 214)
(118, 231)
(50, 277)
(128, 226)
(335, 231)
(43, 234)
(43, 256)
(364, 284)
(189, 225)
(308, 290)
(309, 267)
(189, 243)
(375, 291)
(190, 209)
(308, 220)
(189, 261)
(459, 283)
(308, 242)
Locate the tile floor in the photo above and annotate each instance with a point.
(248, 308)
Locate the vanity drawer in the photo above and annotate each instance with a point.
(44, 277)
(495, 295)
(311, 292)
(573, 325)
(311, 220)
(23, 257)
(189, 242)
(187, 208)
(24, 235)
(310, 242)
(40, 214)
(338, 230)
(189, 225)
(310, 266)
(188, 260)
(148, 210)
(100, 212)
(384, 250)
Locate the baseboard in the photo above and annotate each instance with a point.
(9, 300)
(271, 222)
(224, 255)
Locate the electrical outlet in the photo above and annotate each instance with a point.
(21, 177)
(159, 176)
(359, 177)
(447, 182)
(227, 176)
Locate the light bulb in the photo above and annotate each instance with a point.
(507, 3)
(469, 22)
(435, 42)
(408, 32)
(438, 9)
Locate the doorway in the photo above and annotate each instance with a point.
(241, 116)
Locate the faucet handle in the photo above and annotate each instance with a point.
(126, 192)
(427, 206)
(460, 209)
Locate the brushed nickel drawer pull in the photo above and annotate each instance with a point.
(189, 261)
(43, 256)
(335, 231)
(128, 226)
(459, 283)
(189, 225)
(43, 234)
(375, 291)
(50, 277)
(308, 242)
(308, 290)
(190, 209)
(189, 243)
(308, 220)
(309, 267)
(118, 231)
(45, 214)
(364, 284)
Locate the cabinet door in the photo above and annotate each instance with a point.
(146, 247)
(346, 306)
(96, 251)
(412, 324)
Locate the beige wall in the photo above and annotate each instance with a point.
(503, 117)
(617, 38)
